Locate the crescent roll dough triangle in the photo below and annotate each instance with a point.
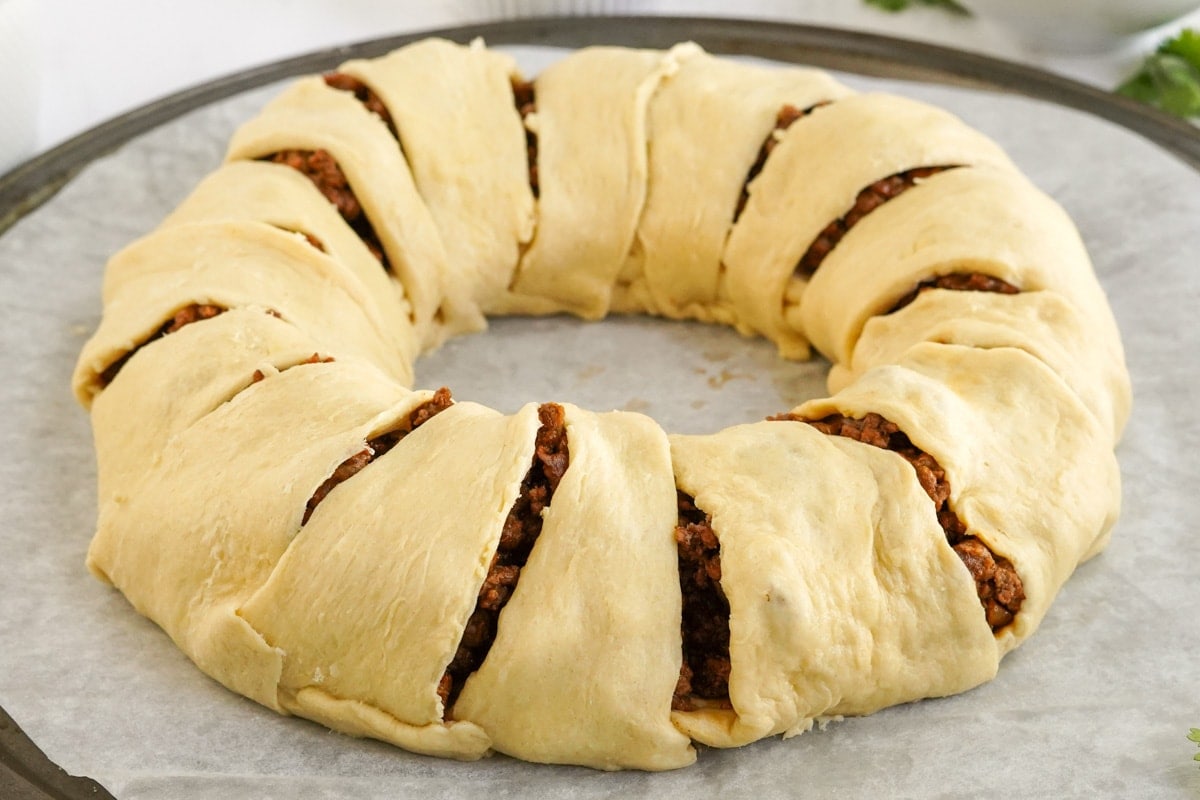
(839, 149)
(962, 220)
(706, 125)
(465, 142)
(1042, 323)
(279, 195)
(589, 207)
(547, 686)
(1046, 506)
(417, 575)
(312, 116)
(844, 595)
(165, 389)
(569, 587)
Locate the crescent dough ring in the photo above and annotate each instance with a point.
(569, 587)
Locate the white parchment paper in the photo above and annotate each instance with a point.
(1098, 703)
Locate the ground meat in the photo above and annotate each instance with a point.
(867, 201)
(705, 621)
(193, 313)
(996, 581)
(322, 169)
(517, 537)
(364, 94)
(526, 103)
(958, 282)
(374, 448)
(783, 120)
(182, 317)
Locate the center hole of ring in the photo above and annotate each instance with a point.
(688, 376)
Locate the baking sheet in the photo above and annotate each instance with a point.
(1099, 702)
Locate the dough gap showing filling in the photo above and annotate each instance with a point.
(363, 94)
(322, 169)
(996, 581)
(315, 358)
(867, 201)
(526, 102)
(377, 446)
(313, 241)
(783, 120)
(517, 538)
(705, 622)
(957, 282)
(182, 317)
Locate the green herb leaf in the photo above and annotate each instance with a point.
(892, 6)
(1194, 736)
(1186, 45)
(1170, 78)
(1167, 82)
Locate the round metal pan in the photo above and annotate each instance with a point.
(25, 772)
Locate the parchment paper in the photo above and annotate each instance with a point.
(1098, 703)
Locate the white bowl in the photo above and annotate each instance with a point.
(1079, 26)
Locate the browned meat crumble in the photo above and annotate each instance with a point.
(867, 201)
(376, 447)
(521, 530)
(322, 169)
(182, 317)
(958, 282)
(783, 120)
(526, 103)
(996, 581)
(705, 621)
(364, 94)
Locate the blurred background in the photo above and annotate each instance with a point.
(71, 64)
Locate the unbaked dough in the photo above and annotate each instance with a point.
(216, 441)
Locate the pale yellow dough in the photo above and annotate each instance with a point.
(414, 537)
(590, 204)
(280, 196)
(1042, 323)
(465, 142)
(1048, 503)
(588, 650)
(845, 596)
(803, 188)
(705, 128)
(823, 542)
(311, 116)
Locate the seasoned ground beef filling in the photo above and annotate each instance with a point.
(376, 447)
(996, 581)
(526, 103)
(783, 120)
(364, 94)
(958, 282)
(182, 317)
(521, 530)
(705, 622)
(322, 169)
(867, 201)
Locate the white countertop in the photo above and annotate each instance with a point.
(83, 63)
